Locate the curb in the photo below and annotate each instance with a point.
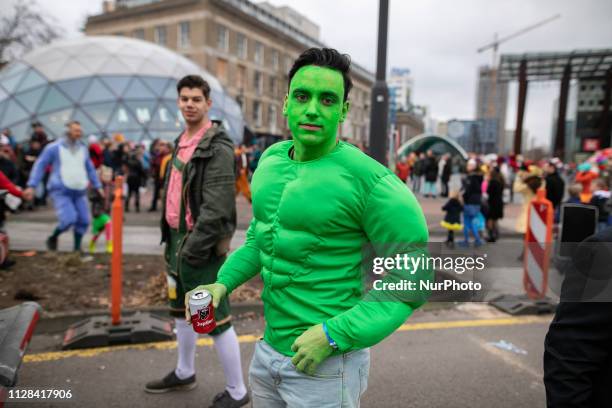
(58, 322)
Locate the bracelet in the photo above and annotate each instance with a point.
(331, 341)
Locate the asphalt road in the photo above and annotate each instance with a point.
(440, 358)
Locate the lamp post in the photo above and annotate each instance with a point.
(380, 93)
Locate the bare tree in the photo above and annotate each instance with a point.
(23, 29)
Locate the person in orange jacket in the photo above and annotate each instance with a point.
(585, 176)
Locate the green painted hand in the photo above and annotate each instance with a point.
(217, 290)
(311, 349)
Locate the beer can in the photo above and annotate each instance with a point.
(202, 312)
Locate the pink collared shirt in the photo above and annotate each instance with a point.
(186, 147)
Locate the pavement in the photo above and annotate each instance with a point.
(469, 355)
(28, 230)
(445, 355)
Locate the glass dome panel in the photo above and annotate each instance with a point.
(171, 105)
(122, 118)
(117, 83)
(31, 98)
(170, 92)
(2, 109)
(156, 84)
(10, 83)
(138, 90)
(92, 63)
(21, 130)
(54, 99)
(14, 113)
(74, 88)
(72, 68)
(12, 69)
(143, 109)
(97, 92)
(55, 122)
(89, 127)
(163, 118)
(113, 66)
(100, 112)
(31, 80)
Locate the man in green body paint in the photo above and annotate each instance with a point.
(316, 203)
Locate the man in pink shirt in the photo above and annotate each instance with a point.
(197, 223)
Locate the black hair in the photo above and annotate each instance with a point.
(194, 81)
(73, 122)
(328, 58)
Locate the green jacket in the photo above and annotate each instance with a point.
(311, 223)
(209, 185)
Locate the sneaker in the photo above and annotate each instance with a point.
(52, 243)
(109, 247)
(171, 383)
(225, 400)
(92, 247)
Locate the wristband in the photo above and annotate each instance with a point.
(331, 341)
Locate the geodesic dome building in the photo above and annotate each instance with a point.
(110, 85)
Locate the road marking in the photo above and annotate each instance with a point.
(512, 360)
(251, 338)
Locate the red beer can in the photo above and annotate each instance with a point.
(202, 312)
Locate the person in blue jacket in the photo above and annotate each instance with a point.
(72, 172)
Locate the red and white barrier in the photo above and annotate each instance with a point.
(538, 246)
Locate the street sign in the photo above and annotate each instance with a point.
(538, 245)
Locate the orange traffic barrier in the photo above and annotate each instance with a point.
(117, 257)
(538, 245)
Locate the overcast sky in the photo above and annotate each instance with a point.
(437, 41)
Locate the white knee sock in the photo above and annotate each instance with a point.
(228, 351)
(186, 338)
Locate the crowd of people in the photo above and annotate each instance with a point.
(489, 182)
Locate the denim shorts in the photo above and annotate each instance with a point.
(338, 382)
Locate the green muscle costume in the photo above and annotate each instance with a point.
(311, 220)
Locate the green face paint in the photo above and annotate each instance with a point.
(314, 109)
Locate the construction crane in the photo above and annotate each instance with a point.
(491, 106)
(495, 44)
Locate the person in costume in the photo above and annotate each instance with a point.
(197, 223)
(72, 172)
(452, 219)
(317, 202)
(101, 222)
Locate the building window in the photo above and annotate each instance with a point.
(259, 53)
(288, 64)
(275, 60)
(273, 86)
(160, 35)
(241, 46)
(258, 82)
(272, 118)
(139, 33)
(183, 35)
(222, 38)
(257, 113)
(241, 77)
(222, 70)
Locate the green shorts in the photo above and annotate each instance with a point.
(188, 278)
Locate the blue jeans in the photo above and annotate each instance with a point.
(430, 188)
(470, 212)
(338, 382)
